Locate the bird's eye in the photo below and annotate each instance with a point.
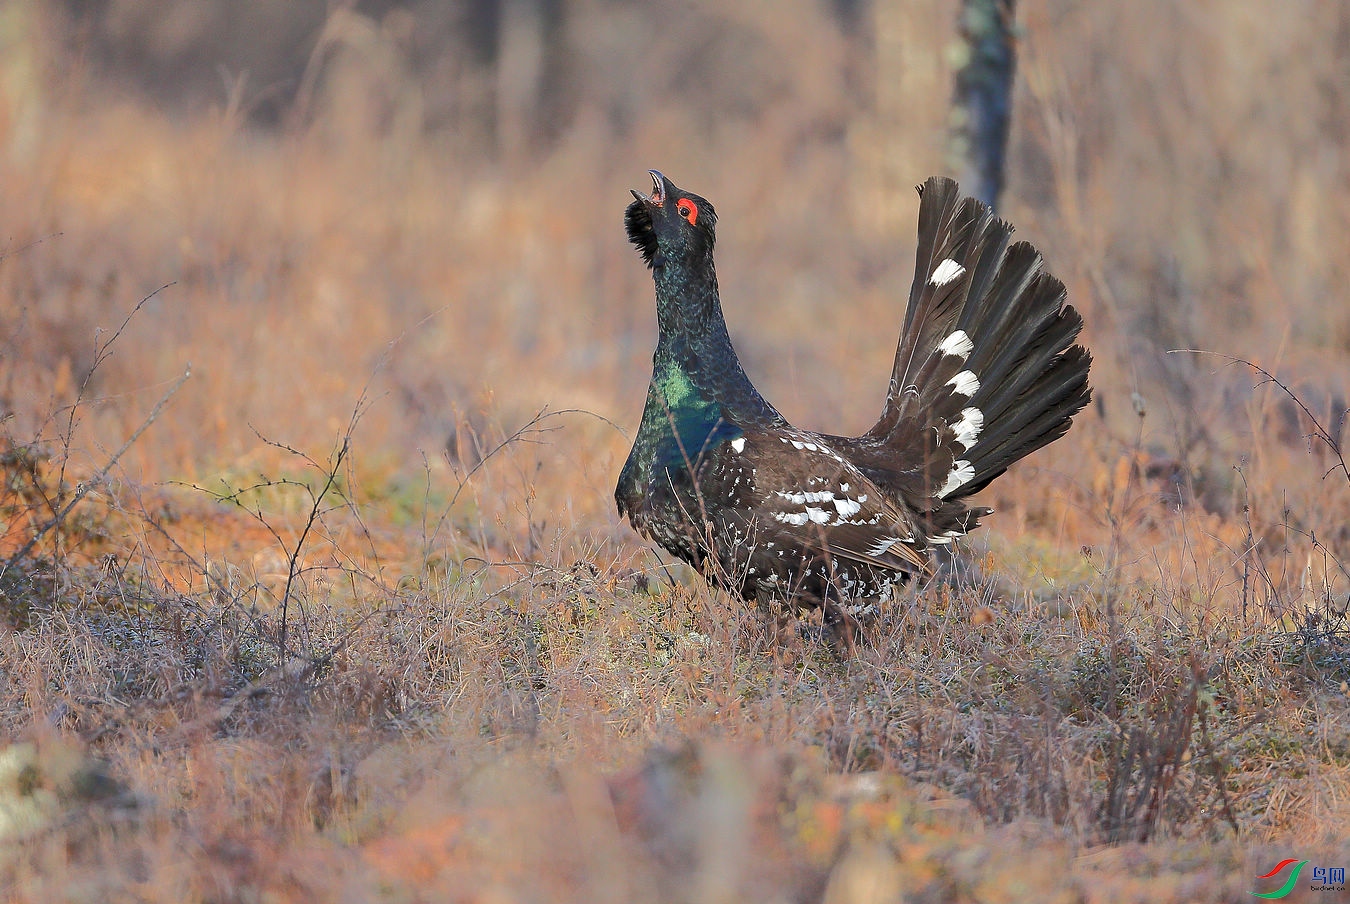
(689, 210)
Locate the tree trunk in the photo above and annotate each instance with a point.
(982, 97)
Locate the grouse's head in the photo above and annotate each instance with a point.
(671, 222)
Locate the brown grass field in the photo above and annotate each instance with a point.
(352, 616)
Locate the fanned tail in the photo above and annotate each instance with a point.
(986, 371)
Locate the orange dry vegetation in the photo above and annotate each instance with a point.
(354, 615)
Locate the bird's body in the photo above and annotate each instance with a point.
(985, 373)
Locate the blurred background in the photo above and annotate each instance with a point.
(422, 202)
(395, 672)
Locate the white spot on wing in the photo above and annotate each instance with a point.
(946, 271)
(847, 507)
(803, 498)
(738, 444)
(883, 546)
(965, 383)
(958, 344)
(818, 515)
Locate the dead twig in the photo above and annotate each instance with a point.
(85, 486)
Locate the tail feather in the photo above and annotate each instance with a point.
(959, 249)
(937, 208)
(1030, 351)
(1040, 417)
(1003, 308)
(986, 370)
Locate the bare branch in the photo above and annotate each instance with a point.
(83, 489)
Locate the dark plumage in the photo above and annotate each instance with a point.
(986, 373)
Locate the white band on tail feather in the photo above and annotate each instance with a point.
(946, 271)
(965, 383)
(963, 472)
(958, 344)
(969, 427)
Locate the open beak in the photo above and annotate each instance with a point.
(658, 196)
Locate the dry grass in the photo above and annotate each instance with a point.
(354, 618)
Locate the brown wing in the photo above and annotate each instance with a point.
(810, 496)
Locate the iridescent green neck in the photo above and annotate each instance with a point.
(694, 356)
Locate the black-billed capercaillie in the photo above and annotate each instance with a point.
(986, 373)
